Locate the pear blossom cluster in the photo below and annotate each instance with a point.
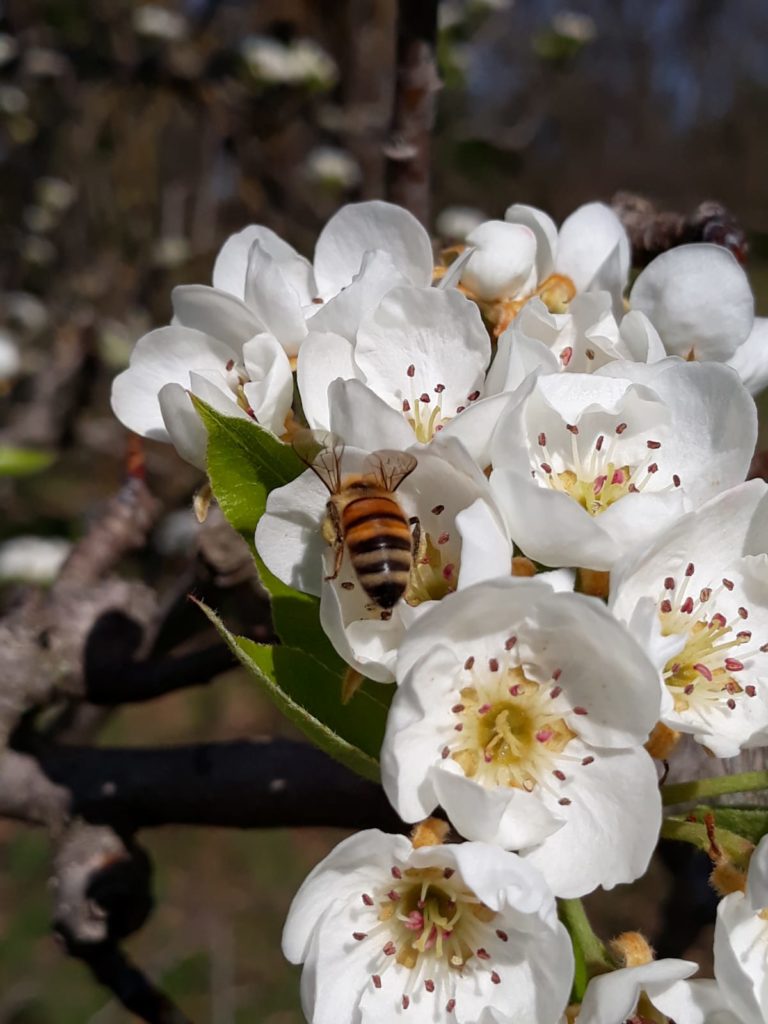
(588, 566)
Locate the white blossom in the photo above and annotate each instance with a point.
(700, 301)
(697, 599)
(525, 256)
(298, 62)
(462, 541)
(588, 467)
(741, 935)
(522, 712)
(439, 933)
(624, 994)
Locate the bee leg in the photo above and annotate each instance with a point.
(415, 536)
(334, 536)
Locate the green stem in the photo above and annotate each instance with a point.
(736, 847)
(685, 792)
(590, 953)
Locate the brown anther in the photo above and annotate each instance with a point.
(438, 509)
(469, 663)
(621, 428)
(653, 445)
(571, 428)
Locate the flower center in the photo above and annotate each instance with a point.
(428, 922)
(433, 576)
(424, 410)
(704, 673)
(600, 477)
(510, 730)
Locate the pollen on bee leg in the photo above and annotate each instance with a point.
(430, 832)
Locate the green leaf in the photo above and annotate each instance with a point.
(245, 462)
(308, 692)
(23, 461)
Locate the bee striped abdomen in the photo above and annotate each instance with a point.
(378, 539)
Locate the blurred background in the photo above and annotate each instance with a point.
(133, 138)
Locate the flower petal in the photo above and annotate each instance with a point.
(545, 230)
(184, 426)
(420, 340)
(342, 313)
(270, 388)
(750, 360)
(613, 819)
(502, 264)
(586, 240)
(613, 996)
(229, 270)
(274, 301)
(362, 419)
(215, 313)
(699, 300)
(322, 358)
(361, 227)
(162, 357)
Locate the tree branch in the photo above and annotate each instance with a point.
(243, 784)
(416, 82)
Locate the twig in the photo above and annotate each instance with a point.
(145, 680)
(416, 82)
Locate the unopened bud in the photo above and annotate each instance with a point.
(662, 741)
(632, 949)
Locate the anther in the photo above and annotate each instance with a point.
(450, 1006)
(589, 353)
(443, 538)
(439, 389)
(703, 671)
(556, 674)
(424, 398)
(483, 954)
(449, 872)
(445, 752)
(230, 364)
(484, 709)
(367, 900)
(429, 985)
(587, 760)
(509, 643)
(689, 689)
(493, 664)
(621, 428)
(687, 606)
(653, 468)
(406, 405)
(347, 585)
(393, 895)
(669, 583)
(473, 397)
(547, 468)
(566, 355)
(564, 801)
(555, 692)
(599, 442)
(406, 1002)
(515, 690)
(469, 663)
(731, 703)
(571, 428)
(502, 935)
(542, 439)
(665, 606)
(750, 691)
(458, 728)
(705, 594)
(675, 479)
(718, 620)
(411, 371)
(390, 949)
(743, 635)
(495, 978)
(559, 775)
(460, 408)
(359, 936)
(580, 711)
(376, 980)
(734, 665)
(653, 445)
(448, 571)
(457, 709)
(438, 509)
(396, 872)
(728, 584)
(689, 569)
(743, 613)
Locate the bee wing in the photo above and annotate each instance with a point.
(393, 467)
(321, 451)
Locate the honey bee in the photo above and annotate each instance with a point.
(363, 515)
